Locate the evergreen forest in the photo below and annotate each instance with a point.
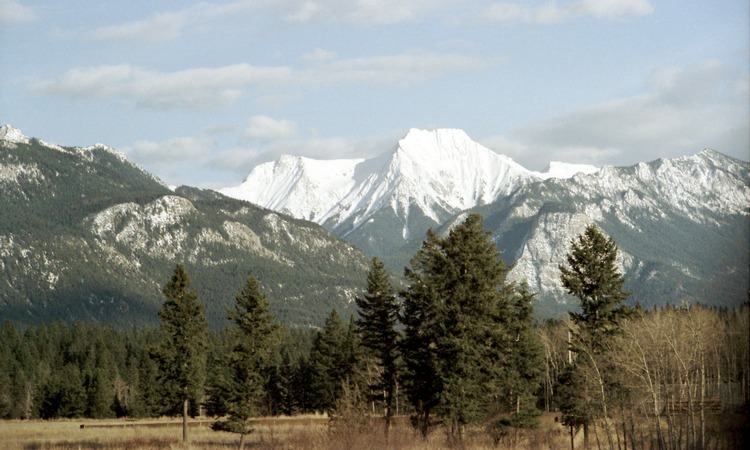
(456, 348)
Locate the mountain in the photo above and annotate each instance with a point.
(382, 203)
(682, 225)
(86, 235)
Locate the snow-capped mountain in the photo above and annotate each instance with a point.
(86, 235)
(683, 224)
(429, 177)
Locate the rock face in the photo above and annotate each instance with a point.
(682, 224)
(85, 235)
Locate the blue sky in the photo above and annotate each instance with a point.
(198, 93)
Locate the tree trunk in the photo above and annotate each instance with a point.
(572, 436)
(242, 441)
(185, 420)
(586, 436)
(425, 422)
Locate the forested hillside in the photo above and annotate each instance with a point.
(87, 236)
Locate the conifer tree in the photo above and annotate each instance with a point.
(520, 378)
(461, 320)
(474, 335)
(378, 312)
(183, 347)
(592, 276)
(420, 379)
(333, 360)
(255, 334)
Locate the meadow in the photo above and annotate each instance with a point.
(308, 432)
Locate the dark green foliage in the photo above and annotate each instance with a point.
(334, 358)
(289, 385)
(378, 316)
(521, 375)
(463, 330)
(591, 276)
(420, 318)
(574, 398)
(64, 395)
(183, 348)
(255, 337)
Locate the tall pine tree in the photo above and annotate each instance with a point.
(183, 347)
(255, 334)
(461, 322)
(378, 314)
(592, 276)
(328, 363)
(420, 317)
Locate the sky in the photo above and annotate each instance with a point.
(200, 92)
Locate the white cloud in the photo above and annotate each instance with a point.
(553, 12)
(203, 88)
(398, 70)
(365, 12)
(238, 160)
(13, 11)
(160, 27)
(170, 151)
(266, 128)
(319, 55)
(164, 26)
(173, 160)
(192, 88)
(169, 25)
(686, 110)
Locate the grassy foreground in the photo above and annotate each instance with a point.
(312, 432)
(300, 432)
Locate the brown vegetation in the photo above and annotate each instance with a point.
(302, 432)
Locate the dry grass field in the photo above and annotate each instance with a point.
(310, 432)
(305, 433)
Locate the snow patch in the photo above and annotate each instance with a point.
(12, 135)
(563, 170)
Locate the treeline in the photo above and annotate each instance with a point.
(456, 347)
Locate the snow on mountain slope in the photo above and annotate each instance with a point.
(440, 172)
(691, 185)
(12, 135)
(565, 170)
(301, 187)
(672, 218)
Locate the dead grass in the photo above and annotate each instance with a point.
(303, 433)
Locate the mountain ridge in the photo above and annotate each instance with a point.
(665, 204)
(86, 235)
(80, 217)
(428, 177)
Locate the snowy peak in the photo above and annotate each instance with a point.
(302, 187)
(12, 135)
(440, 172)
(445, 169)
